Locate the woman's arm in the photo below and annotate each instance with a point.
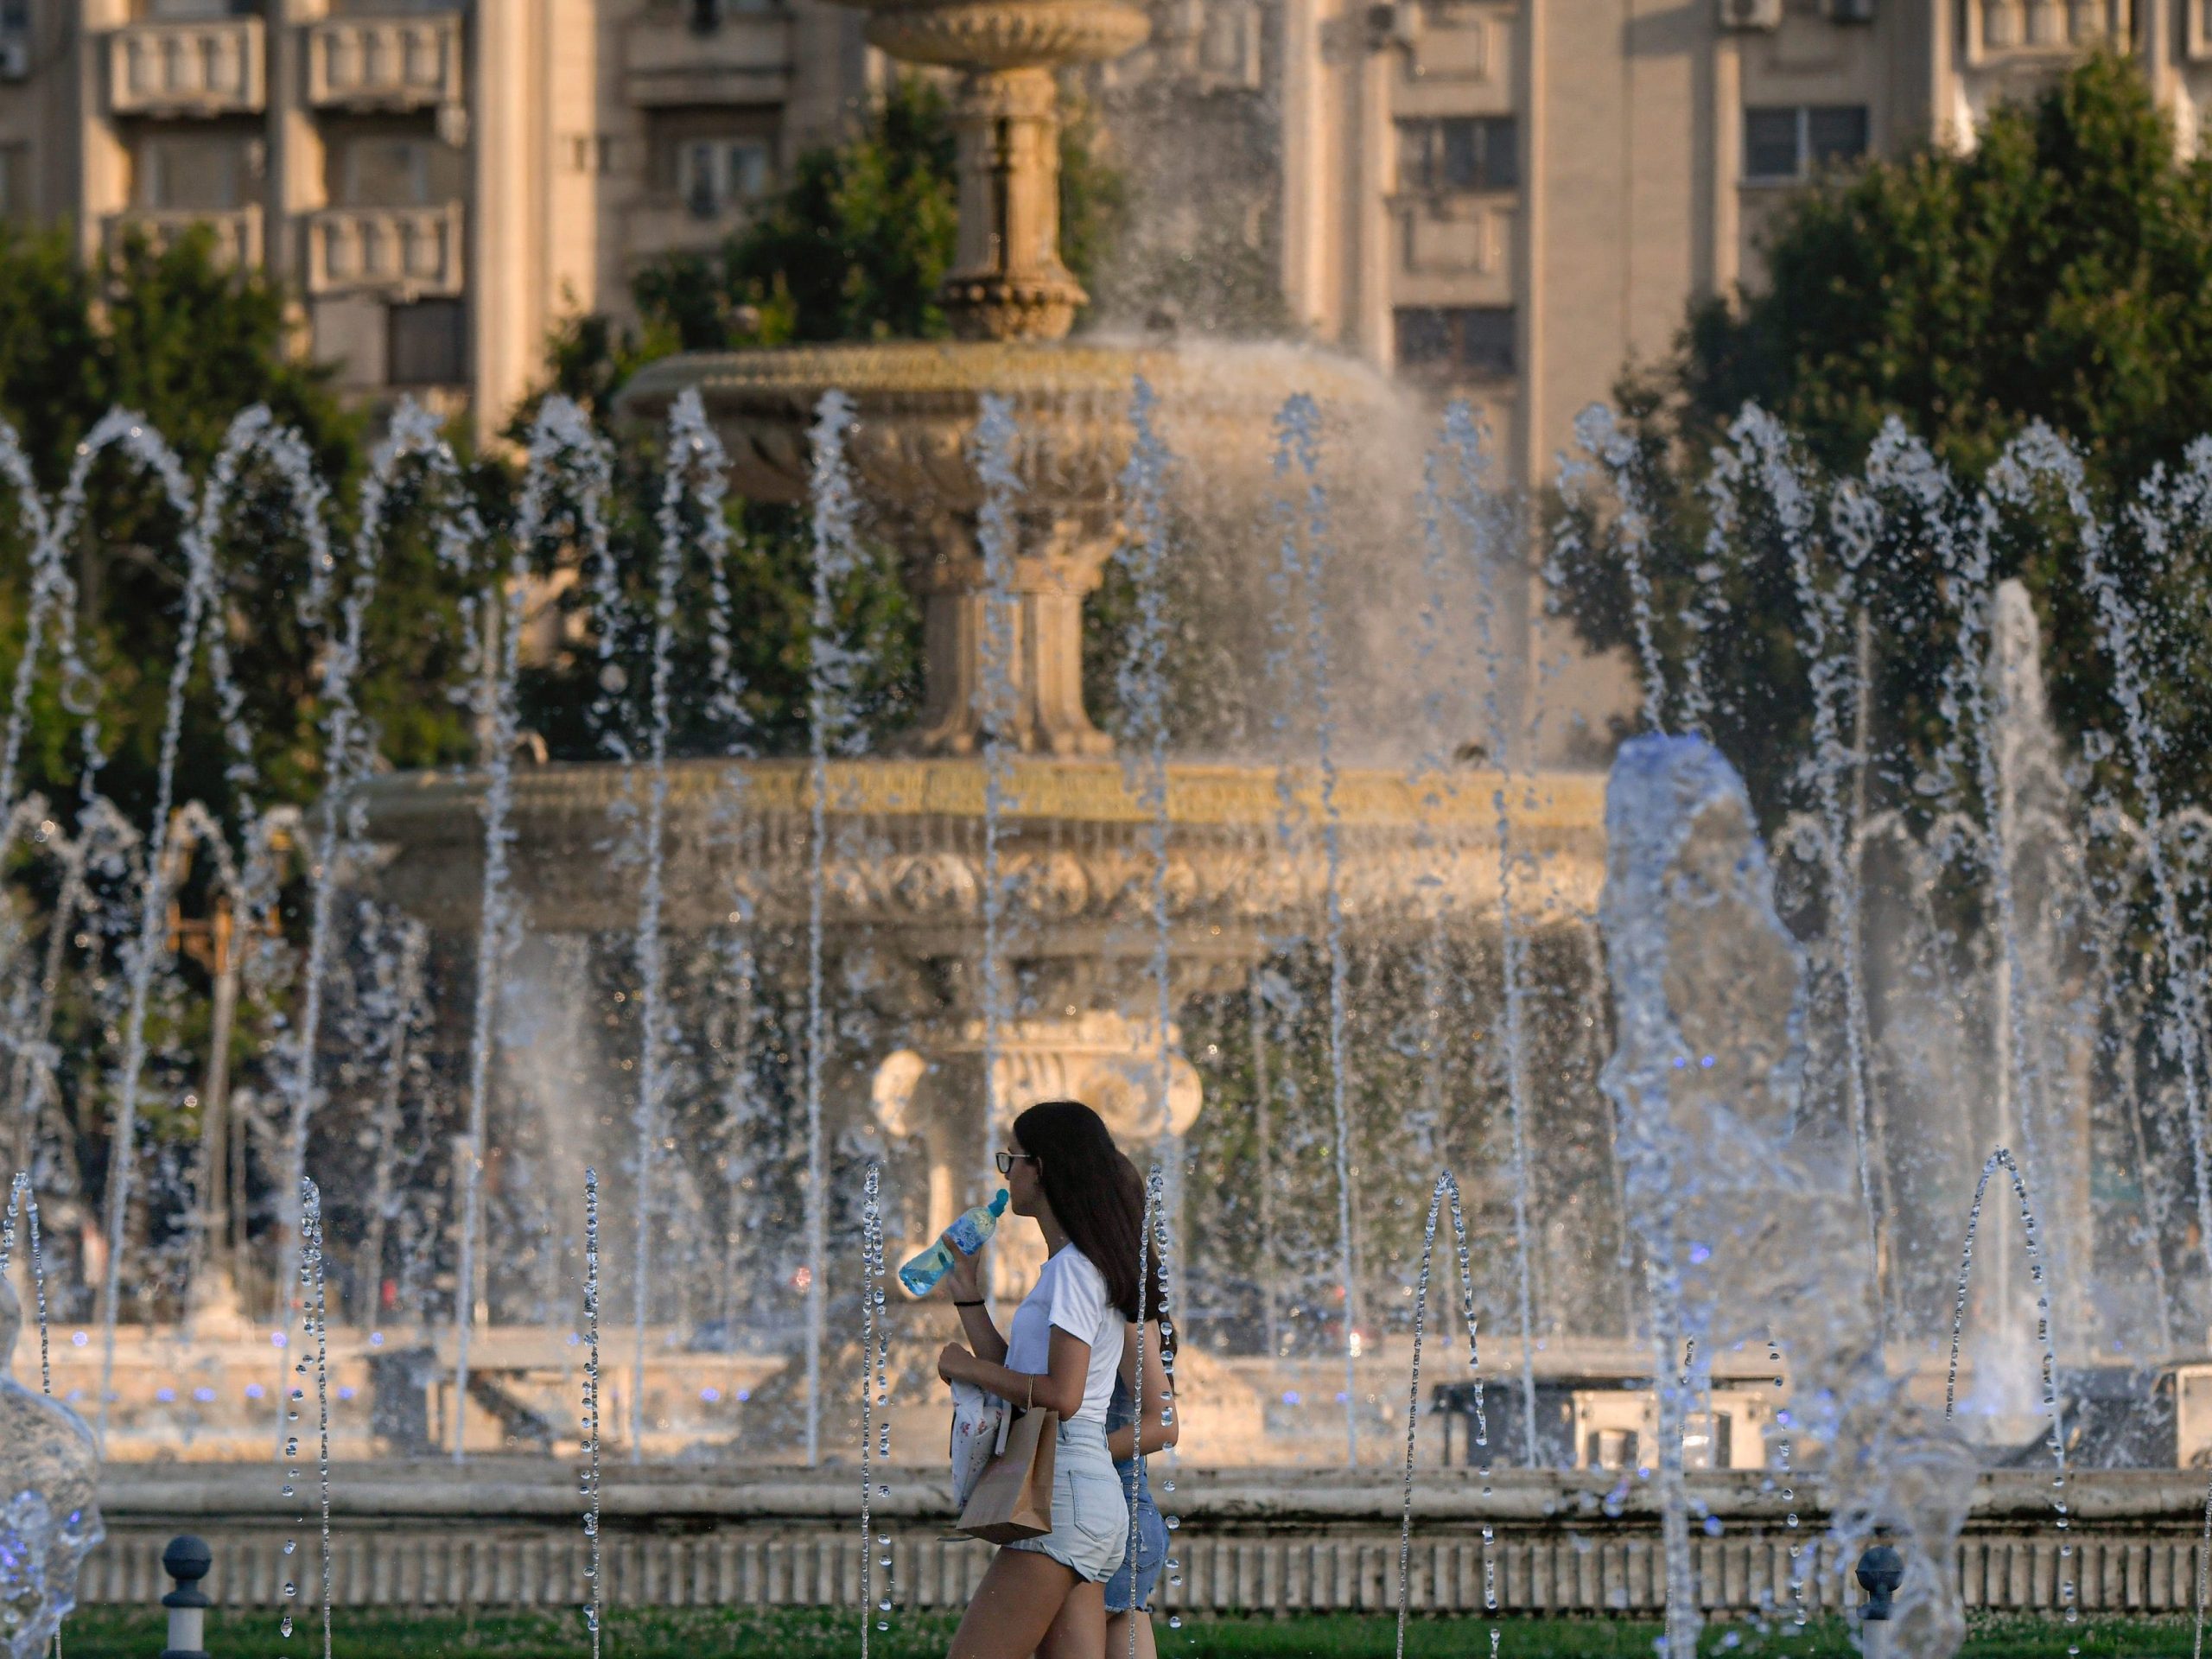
(965, 1284)
(1059, 1389)
(1158, 1401)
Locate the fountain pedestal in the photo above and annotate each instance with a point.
(1063, 561)
(1008, 281)
(1108, 1060)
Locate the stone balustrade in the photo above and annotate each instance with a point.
(237, 230)
(2001, 31)
(400, 63)
(406, 253)
(215, 66)
(507, 1533)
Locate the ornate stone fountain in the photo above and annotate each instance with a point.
(905, 887)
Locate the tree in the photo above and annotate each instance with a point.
(2060, 271)
(175, 334)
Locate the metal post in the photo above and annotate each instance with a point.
(187, 1560)
(1880, 1571)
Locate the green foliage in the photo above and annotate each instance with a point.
(859, 242)
(173, 334)
(770, 576)
(1094, 195)
(2060, 272)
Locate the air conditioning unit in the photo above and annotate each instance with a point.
(1751, 14)
(1850, 11)
(15, 58)
(1395, 24)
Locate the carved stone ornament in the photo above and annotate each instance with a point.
(49, 1519)
(904, 856)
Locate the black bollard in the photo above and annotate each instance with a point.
(187, 1560)
(1881, 1570)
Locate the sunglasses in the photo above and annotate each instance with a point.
(1006, 1161)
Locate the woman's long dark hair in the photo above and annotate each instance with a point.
(1098, 1206)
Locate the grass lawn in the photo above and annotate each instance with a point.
(132, 1633)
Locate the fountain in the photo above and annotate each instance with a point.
(1004, 840)
(797, 999)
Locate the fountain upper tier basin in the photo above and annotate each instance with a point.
(905, 848)
(917, 403)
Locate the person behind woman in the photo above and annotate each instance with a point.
(1045, 1595)
(1128, 1594)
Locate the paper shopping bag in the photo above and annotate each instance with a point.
(1013, 1499)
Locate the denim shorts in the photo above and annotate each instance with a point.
(1152, 1546)
(1090, 1519)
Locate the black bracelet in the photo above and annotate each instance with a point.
(977, 1303)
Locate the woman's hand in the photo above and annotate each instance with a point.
(952, 1362)
(965, 1281)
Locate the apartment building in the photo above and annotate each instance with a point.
(441, 181)
(1514, 198)
(1510, 200)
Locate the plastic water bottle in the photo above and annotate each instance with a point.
(920, 1275)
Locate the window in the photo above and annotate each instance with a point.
(1473, 152)
(427, 344)
(715, 174)
(1457, 342)
(1611, 1449)
(181, 9)
(382, 171)
(1792, 140)
(192, 173)
(1835, 135)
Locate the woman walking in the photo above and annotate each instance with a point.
(1046, 1595)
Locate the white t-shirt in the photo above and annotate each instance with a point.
(1070, 1293)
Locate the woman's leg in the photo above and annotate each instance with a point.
(1023, 1595)
(1117, 1636)
(1079, 1632)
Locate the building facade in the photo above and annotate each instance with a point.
(1508, 198)
(1516, 198)
(439, 182)
(1511, 200)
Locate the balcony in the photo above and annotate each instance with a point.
(237, 230)
(2006, 32)
(1456, 250)
(744, 59)
(215, 67)
(407, 254)
(385, 63)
